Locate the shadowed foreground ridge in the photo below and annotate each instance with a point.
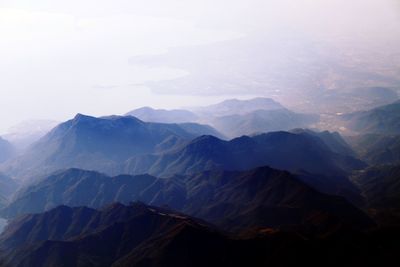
(140, 235)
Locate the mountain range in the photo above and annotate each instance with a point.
(281, 150)
(238, 183)
(260, 197)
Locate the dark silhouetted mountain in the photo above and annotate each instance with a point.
(7, 151)
(381, 187)
(383, 120)
(261, 121)
(99, 144)
(281, 150)
(377, 148)
(146, 236)
(235, 106)
(261, 197)
(95, 238)
(163, 116)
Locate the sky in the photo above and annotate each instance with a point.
(98, 57)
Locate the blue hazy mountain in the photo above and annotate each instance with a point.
(100, 143)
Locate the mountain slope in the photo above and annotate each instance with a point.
(7, 187)
(381, 187)
(333, 140)
(6, 150)
(383, 120)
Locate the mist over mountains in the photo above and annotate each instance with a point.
(234, 117)
(169, 133)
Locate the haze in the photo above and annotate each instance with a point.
(59, 58)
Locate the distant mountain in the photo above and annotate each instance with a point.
(381, 187)
(140, 235)
(260, 121)
(235, 106)
(350, 99)
(260, 197)
(99, 143)
(233, 117)
(382, 120)
(26, 133)
(7, 150)
(377, 148)
(149, 114)
(203, 129)
(281, 150)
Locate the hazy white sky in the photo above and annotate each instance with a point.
(59, 58)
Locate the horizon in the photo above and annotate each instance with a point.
(109, 57)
